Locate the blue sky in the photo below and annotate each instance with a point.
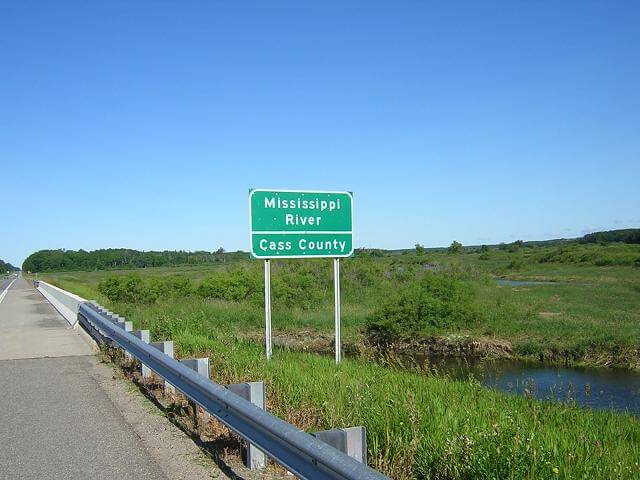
(144, 124)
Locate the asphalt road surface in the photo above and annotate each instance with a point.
(55, 419)
(5, 282)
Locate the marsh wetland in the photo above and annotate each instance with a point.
(454, 375)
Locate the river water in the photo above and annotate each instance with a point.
(590, 387)
(617, 390)
(597, 388)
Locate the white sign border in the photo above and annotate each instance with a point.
(285, 257)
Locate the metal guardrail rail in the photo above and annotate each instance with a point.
(297, 451)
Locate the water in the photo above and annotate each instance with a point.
(617, 390)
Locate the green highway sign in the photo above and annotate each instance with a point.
(300, 224)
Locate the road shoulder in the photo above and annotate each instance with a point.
(174, 452)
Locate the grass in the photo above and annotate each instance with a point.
(590, 315)
(421, 426)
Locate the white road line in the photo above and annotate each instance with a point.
(4, 292)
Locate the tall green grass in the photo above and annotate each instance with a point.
(421, 426)
(589, 315)
(418, 426)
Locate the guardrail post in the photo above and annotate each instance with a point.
(200, 366)
(255, 393)
(297, 451)
(166, 348)
(145, 337)
(127, 327)
(352, 441)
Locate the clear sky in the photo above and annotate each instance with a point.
(144, 124)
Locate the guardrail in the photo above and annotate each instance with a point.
(64, 302)
(302, 454)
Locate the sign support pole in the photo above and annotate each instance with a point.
(267, 305)
(336, 285)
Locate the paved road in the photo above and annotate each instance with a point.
(55, 420)
(4, 284)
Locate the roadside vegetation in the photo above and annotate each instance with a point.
(118, 258)
(587, 313)
(420, 425)
(6, 267)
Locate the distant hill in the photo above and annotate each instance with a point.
(4, 267)
(628, 235)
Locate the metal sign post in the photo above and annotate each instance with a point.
(267, 305)
(336, 286)
(300, 224)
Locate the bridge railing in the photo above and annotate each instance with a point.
(301, 453)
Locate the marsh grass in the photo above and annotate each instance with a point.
(590, 315)
(420, 425)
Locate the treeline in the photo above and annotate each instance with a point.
(120, 258)
(629, 235)
(4, 267)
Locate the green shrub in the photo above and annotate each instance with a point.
(516, 264)
(180, 285)
(361, 273)
(432, 301)
(138, 290)
(234, 285)
(129, 289)
(297, 288)
(293, 285)
(455, 247)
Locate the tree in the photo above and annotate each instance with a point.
(420, 250)
(484, 249)
(516, 246)
(6, 267)
(627, 235)
(455, 247)
(116, 258)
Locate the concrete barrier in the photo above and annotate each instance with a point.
(64, 302)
